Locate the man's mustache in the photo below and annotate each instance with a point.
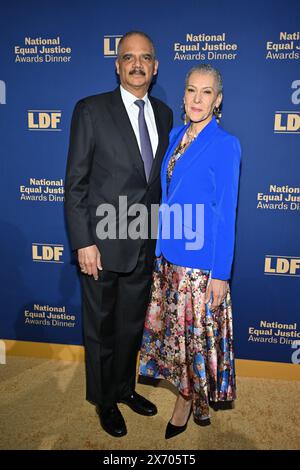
(137, 71)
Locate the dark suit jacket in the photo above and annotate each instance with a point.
(104, 162)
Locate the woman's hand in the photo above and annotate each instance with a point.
(216, 293)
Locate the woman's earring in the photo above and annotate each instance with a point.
(183, 114)
(218, 114)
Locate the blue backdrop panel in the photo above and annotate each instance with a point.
(53, 53)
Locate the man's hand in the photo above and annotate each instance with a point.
(216, 293)
(89, 260)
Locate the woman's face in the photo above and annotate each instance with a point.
(201, 97)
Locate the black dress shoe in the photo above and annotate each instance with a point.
(172, 430)
(112, 420)
(139, 404)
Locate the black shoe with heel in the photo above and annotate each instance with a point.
(172, 430)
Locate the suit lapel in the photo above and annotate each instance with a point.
(123, 124)
(127, 134)
(155, 170)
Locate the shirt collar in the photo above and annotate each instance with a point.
(129, 99)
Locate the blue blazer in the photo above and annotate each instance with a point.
(197, 214)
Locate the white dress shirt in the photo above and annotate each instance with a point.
(133, 114)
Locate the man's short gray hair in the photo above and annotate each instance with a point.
(133, 33)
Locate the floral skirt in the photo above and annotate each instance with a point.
(184, 341)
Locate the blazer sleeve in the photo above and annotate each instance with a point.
(227, 169)
(80, 159)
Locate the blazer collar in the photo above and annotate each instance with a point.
(196, 148)
(204, 134)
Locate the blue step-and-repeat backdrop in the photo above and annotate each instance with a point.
(53, 53)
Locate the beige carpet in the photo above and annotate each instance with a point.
(42, 406)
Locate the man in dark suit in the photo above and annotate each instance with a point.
(117, 143)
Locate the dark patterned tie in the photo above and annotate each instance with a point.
(146, 148)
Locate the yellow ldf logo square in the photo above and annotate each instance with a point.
(282, 265)
(47, 253)
(110, 45)
(287, 122)
(44, 120)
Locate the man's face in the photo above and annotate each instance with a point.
(136, 64)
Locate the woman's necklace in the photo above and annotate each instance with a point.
(191, 135)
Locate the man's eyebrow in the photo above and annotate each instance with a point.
(143, 53)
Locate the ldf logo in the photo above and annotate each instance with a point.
(2, 92)
(43, 120)
(287, 122)
(282, 266)
(47, 253)
(110, 45)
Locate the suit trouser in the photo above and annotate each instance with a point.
(114, 309)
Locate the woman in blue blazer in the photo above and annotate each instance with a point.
(188, 330)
